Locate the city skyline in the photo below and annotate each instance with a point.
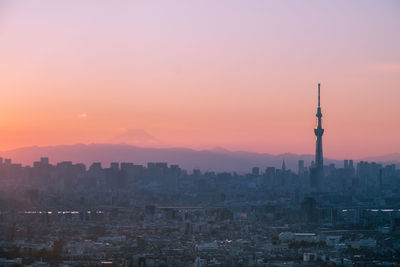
(204, 133)
(187, 75)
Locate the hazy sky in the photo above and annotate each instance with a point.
(199, 74)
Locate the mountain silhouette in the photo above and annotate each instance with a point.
(218, 159)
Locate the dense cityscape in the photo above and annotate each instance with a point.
(127, 214)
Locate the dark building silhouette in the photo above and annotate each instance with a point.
(318, 171)
(300, 167)
(283, 166)
(255, 171)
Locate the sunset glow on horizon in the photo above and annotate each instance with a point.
(241, 75)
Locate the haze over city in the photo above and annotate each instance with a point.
(232, 74)
(205, 133)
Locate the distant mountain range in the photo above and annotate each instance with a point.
(389, 158)
(217, 159)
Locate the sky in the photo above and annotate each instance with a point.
(241, 75)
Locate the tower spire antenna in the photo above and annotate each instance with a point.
(319, 94)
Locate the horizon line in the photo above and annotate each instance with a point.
(213, 150)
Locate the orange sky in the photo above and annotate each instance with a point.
(236, 74)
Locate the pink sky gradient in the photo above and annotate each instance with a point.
(237, 74)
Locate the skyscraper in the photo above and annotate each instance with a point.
(301, 167)
(318, 171)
